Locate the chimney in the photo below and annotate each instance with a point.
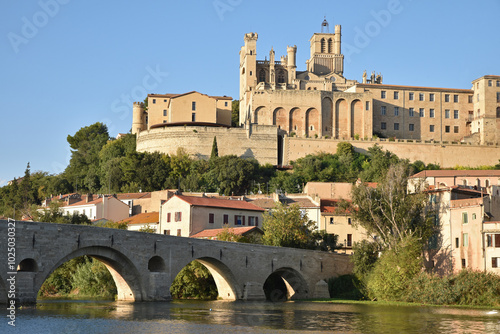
(89, 198)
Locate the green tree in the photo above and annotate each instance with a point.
(215, 150)
(390, 212)
(287, 226)
(194, 281)
(235, 113)
(25, 191)
(393, 272)
(230, 175)
(91, 278)
(375, 168)
(85, 145)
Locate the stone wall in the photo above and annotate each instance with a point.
(257, 141)
(446, 154)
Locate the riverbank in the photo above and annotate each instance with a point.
(392, 303)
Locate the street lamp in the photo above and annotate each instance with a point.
(345, 246)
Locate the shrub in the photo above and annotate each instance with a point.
(394, 271)
(477, 288)
(345, 286)
(430, 289)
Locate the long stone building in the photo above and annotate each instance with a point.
(320, 101)
(286, 114)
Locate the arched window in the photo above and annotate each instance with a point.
(487, 183)
(262, 75)
(323, 45)
(281, 76)
(330, 45)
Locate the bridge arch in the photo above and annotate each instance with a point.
(126, 276)
(227, 285)
(285, 283)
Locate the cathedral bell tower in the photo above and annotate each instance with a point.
(326, 56)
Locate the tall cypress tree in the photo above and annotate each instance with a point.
(215, 150)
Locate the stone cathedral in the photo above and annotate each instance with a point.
(321, 102)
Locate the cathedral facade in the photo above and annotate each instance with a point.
(321, 102)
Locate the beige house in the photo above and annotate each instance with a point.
(308, 205)
(180, 109)
(325, 190)
(131, 199)
(187, 215)
(468, 224)
(340, 223)
(98, 207)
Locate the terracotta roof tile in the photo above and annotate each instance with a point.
(211, 233)
(219, 203)
(143, 218)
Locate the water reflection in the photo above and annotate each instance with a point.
(256, 317)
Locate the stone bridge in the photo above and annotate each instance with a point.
(144, 265)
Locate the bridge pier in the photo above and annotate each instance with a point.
(25, 286)
(159, 287)
(254, 291)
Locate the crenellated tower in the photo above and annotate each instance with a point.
(248, 75)
(138, 118)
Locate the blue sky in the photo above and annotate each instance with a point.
(68, 63)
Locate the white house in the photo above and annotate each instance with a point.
(188, 215)
(98, 207)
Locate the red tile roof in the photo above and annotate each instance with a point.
(451, 173)
(211, 233)
(143, 218)
(330, 205)
(219, 203)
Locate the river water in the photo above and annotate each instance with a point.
(208, 317)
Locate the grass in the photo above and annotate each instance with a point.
(390, 303)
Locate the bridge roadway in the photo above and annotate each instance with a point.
(144, 265)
